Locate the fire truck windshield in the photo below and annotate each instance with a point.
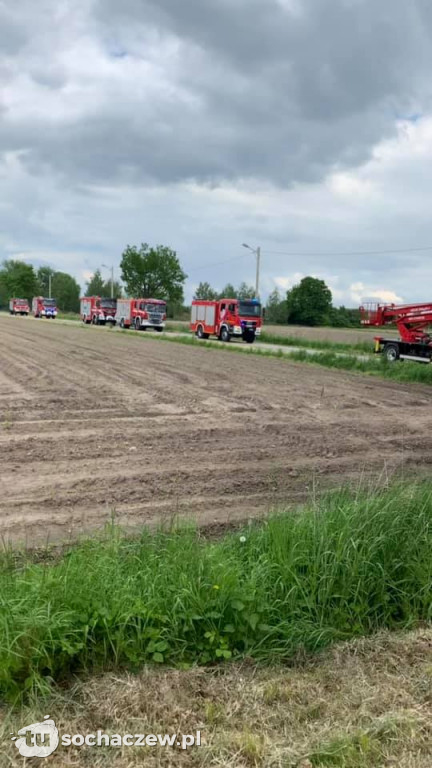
(108, 303)
(49, 302)
(150, 307)
(249, 309)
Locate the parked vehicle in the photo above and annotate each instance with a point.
(98, 310)
(19, 307)
(227, 318)
(411, 320)
(42, 307)
(141, 314)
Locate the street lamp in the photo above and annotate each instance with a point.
(257, 252)
(112, 278)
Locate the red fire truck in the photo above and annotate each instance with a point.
(227, 318)
(141, 314)
(98, 310)
(42, 307)
(19, 307)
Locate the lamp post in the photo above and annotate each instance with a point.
(257, 252)
(112, 278)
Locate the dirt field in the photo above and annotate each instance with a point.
(95, 423)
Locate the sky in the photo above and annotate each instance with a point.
(301, 126)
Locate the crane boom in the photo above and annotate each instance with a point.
(411, 320)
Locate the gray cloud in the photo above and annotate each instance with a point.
(204, 124)
(240, 89)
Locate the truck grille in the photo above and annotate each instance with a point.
(155, 318)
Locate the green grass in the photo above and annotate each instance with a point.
(365, 346)
(69, 316)
(375, 366)
(341, 567)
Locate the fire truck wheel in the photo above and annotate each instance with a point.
(225, 334)
(391, 353)
(137, 324)
(122, 325)
(200, 332)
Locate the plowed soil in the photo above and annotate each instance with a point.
(96, 424)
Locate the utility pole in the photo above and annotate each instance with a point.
(49, 285)
(257, 252)
(112, 278)
(258, 259)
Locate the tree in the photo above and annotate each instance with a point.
(95, 286)
(18, 279)
(153, 273)
(205, 292)
(43, 276)
(309, 302)
(343, 317)
(3, 292)
(229, 292)
(66, 291)
(276, 308)
(245, 291)
(117, 289)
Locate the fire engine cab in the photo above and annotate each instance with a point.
(97, 310)
(42, 307)
(227, 318)
(19, 307)
(141, 314)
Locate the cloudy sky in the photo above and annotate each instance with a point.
(302, 126)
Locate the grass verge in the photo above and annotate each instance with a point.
(377, 366)
(69, 316)
(268, 337)
(365, 346)
(345, 566)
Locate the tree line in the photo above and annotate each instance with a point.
(145, 271)
(21, 280)
(148, 271)
(206, 293)
(307, 303)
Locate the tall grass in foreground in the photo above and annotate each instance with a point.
(343, 567)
